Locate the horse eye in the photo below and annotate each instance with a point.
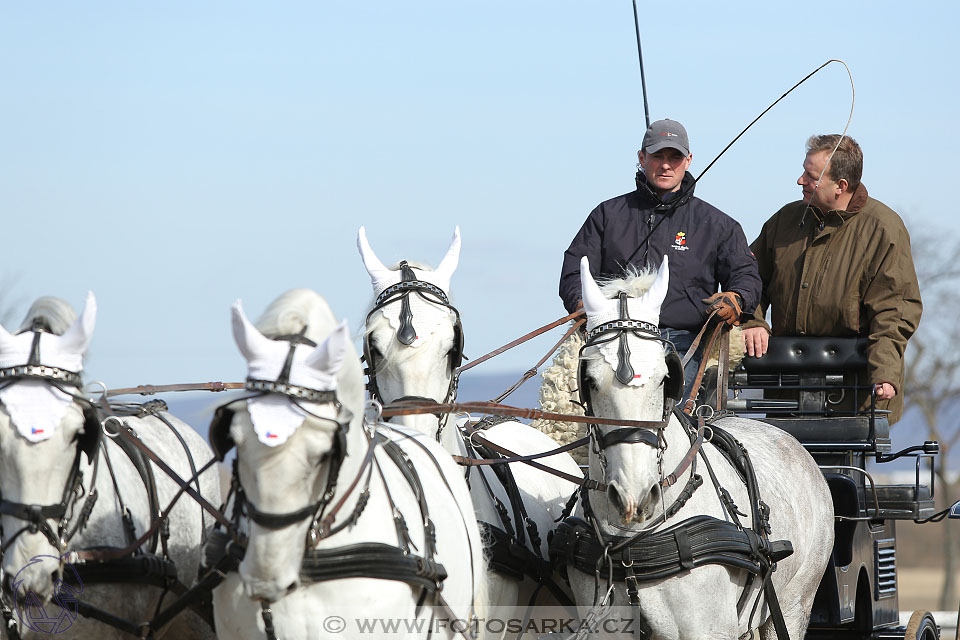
(589, 382)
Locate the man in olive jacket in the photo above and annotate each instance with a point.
(838, 263)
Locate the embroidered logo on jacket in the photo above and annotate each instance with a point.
(680, 242)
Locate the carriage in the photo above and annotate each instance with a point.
(803, 381)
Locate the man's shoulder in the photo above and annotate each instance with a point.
(628, 200)
(709, 215)
(882, 215)
(788, 216)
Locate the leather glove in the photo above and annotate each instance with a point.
(727, 304)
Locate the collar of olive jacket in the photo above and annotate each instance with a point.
(857, 202)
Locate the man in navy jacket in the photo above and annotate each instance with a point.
(707, 248)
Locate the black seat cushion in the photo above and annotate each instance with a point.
(794, 353)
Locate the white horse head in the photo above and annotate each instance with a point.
(630, 472)
(284, 446)
(421, 368)
(42, 432)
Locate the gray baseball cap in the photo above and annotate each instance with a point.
(666, 134)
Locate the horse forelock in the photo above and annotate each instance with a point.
(413, 264)
(635, 282)
(294, 310)
(55, 314)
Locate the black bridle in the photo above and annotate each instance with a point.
(222, 442)
(38, 517)
(406, 335)
(619, 330)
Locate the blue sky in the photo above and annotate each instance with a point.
(174, 156)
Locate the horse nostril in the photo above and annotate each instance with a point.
(614, 497)
(292, 586)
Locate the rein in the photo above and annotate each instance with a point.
(391, 410)
(124, 432)
(149, 389)
(521, 340)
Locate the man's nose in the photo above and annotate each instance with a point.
(800, 181)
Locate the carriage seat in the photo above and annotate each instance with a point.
(854, 497)
(810, 366)
(792, 354)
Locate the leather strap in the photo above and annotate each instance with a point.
(521, 340)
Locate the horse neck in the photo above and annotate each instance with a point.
(451, 439)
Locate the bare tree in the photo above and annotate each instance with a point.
(932, 380)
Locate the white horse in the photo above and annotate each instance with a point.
(624, 375)
(53, 462)
(413, 346)
(330, 504)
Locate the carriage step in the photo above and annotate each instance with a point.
(905, 501)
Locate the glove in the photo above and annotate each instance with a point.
(727, 304)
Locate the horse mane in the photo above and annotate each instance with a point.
(55, 314)
(558, 393)
(635, 282)
(294, 310)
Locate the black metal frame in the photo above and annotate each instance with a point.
(858, 594)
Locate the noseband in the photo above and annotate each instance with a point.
(619, 330)
(406, 334)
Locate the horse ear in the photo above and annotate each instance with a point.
(444, 271)
(328, 357)
(594, 302)
(78, 335)
(248, 338)
(657, 292)
(376, 269)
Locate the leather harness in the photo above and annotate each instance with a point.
(653, 554)
(371, 560)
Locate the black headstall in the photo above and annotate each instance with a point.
(39, 517)
(406, 334)
(619, 330)
(222, 442)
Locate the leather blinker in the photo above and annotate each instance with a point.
(673, 383)
(89, 440)
(220, 439)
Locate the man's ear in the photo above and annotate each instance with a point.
(843, 184)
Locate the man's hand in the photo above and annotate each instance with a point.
(755, 341)
(727, 306)
(885, 391)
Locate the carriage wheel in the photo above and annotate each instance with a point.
(921, 627)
